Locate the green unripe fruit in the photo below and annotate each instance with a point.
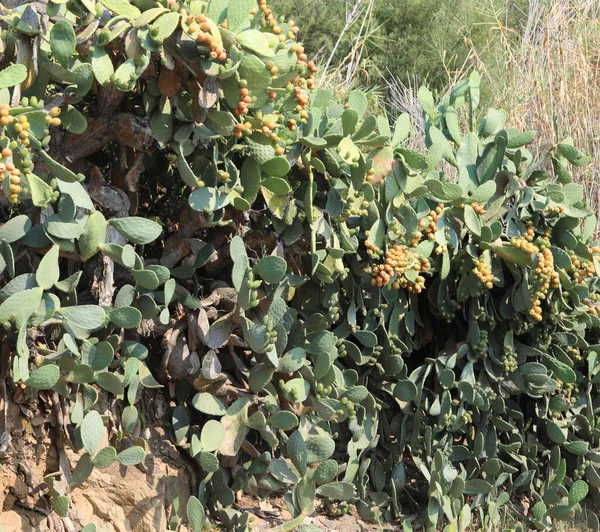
(103, 37)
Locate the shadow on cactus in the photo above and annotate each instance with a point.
(359, 323)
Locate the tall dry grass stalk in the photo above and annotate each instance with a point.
(361, 11)
(549, 78)
(546, 74)
(402, 98)
(352, 71)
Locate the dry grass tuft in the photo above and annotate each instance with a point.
(552, 79)
(546, 74)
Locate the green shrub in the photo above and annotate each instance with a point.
(407, 327)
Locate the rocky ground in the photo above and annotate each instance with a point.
(115, 499)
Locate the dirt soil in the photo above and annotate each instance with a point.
(271, 513)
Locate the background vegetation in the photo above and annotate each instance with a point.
(537, 56)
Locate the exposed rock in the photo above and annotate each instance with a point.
(115, 499)
(119, 499)
(21, 520)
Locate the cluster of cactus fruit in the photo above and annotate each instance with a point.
(409, 327)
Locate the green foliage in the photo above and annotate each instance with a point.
(405, 325)
(418, 40)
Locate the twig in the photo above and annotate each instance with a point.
(351, 18)
(4, 367)
(358, 48)
(32, 508)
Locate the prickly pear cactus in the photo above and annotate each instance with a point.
(359, 323)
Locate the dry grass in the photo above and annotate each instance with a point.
(546, 75)
(552, 79)
(403, 99)
(352, 72)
